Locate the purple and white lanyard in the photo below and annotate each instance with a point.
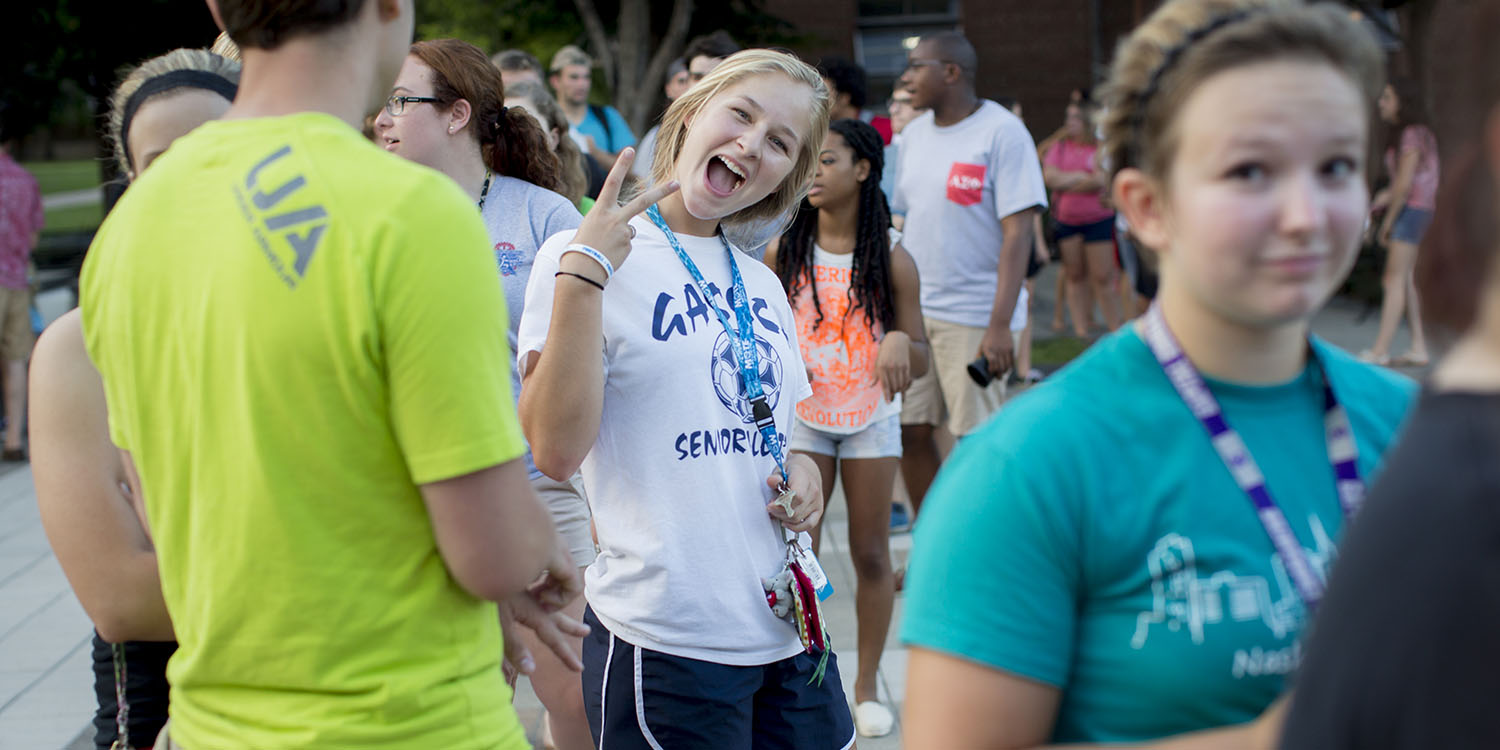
(1343, 453)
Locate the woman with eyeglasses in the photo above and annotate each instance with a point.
(447, 111)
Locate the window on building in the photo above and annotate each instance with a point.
(887, 30)
(869, 8)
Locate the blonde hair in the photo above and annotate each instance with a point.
(570, 55)
(198, 60)
(1186, 42)
(225, 47)
(735, 68)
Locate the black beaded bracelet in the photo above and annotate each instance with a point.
(595, 284)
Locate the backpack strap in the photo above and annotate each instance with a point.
(602, 117)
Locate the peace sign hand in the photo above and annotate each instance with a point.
(607, 228)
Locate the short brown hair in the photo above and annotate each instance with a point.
(510, 140)
(1186, 42)
(267, 24)
(570, 55)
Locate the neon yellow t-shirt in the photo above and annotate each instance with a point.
(295, 330)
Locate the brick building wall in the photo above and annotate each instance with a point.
(1034, 50)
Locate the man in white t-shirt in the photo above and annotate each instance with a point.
(969, 183)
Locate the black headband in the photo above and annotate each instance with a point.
(1168, 60)
(176, 79)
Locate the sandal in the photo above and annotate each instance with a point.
(1410, 360)
(1371, 358)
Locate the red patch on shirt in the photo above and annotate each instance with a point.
(966, 183)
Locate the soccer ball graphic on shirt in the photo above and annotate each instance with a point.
(725, 370)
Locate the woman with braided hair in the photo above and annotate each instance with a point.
(1133, 550)
(854, 293)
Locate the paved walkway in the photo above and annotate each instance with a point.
(46, 695)
(72, 198)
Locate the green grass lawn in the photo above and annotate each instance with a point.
(64, 176)
(1055, 352)
(74, 218)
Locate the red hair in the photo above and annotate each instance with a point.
(510, 140)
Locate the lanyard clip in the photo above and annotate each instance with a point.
(760, 410)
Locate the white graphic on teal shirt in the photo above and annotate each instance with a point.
(1183, 596)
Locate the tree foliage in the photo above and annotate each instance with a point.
(58, 47)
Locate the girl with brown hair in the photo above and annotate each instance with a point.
(447, 111)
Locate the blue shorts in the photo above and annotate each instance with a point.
(1102, 230)
(639, 699)
(1411, 224)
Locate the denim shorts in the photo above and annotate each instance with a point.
(1411, 224)
(879, 439)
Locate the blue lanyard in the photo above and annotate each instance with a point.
(1343, 453)
(742, 341)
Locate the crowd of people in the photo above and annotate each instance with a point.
(328, 484)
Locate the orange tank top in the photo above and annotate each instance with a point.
(840, 352)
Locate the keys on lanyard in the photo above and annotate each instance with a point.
(1343, 453)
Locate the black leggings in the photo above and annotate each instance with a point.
(145, 690)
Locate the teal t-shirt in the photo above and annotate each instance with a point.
(1090, 538)
(614, 138)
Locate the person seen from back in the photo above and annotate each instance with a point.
(318, 417)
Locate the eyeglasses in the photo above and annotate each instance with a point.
(922, 62)
(396, 105)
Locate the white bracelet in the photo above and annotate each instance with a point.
(609, 269)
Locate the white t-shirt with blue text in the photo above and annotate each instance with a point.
(677, 474)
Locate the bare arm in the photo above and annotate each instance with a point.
(84, 493)
(902, 356)
(997, 347)
(1039, 239)
(958, 704)
(492, 531)
(1400, 189)
(562, 391)
(562, 387)
(1061, 180)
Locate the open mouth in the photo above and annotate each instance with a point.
(390, 143)
(724, 176)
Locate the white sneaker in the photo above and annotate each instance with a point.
(872, 719)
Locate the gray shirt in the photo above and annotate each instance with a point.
(519, 217)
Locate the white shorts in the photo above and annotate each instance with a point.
(879, 439)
